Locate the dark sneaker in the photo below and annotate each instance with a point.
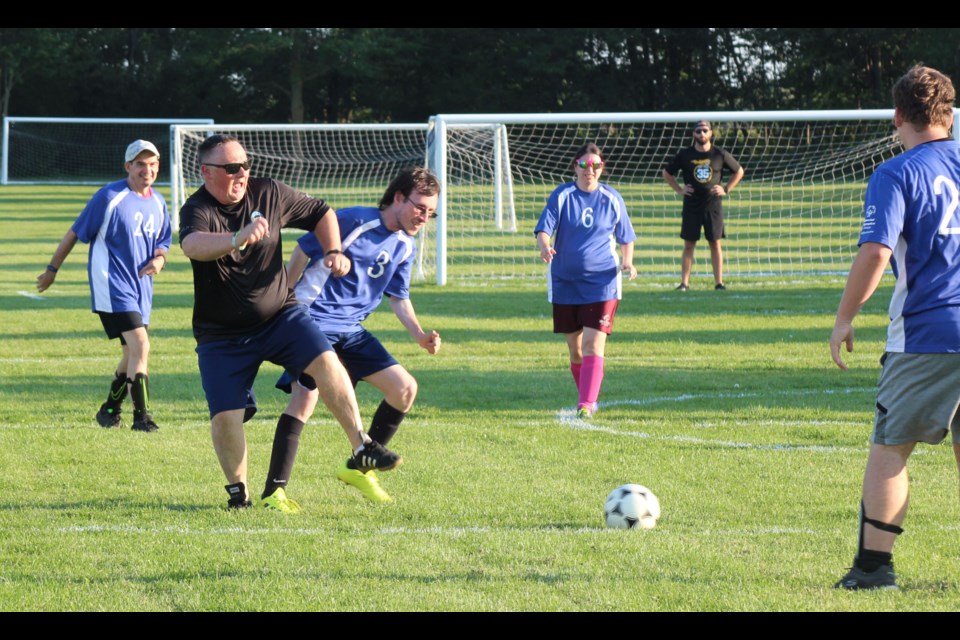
(681, 287)
(146, 424)
(720, 287)
(109, 417)
(375, 456)
(246, 504)
(857, 579)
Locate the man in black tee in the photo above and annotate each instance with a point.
(702, 164)
(245, 313)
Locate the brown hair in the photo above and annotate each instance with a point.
(415, 178)
(211, 142)
(924, 97)
(587, 147)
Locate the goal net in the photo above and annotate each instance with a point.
(797, 211)
(345, 165)
(79, 150)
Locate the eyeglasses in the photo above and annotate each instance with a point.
(583, 164)
(701, 130)
(421, 210)
(231, 167)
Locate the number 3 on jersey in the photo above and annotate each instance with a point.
(379, 266)
(953, 196)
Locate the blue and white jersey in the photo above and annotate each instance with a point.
(587, 227)
(381, 259)
(123, 231)
(911, 206)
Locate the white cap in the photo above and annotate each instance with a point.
(137, 147)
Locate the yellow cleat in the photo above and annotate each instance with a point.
(367, 483)
(278, 501)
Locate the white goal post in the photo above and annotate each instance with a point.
(47, 150)
(344, 164)
(797, 211)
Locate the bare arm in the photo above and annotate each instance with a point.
(734, 181)
(408, 318)
(328, 233)
(45, 279)
(546, 251)
(626, 252)
(207, 246)
(672, 181)
(865, 275)
(296, 265)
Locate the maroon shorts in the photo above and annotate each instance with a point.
(570, 318)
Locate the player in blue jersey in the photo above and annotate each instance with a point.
(588, 219)
(702, 164)
(911, 220)
(380, 242)
(128, 229)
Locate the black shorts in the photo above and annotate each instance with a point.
(710, 218)
(570, 318)
(116, 323)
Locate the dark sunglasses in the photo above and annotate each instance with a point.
(701, 130)
(231, 167)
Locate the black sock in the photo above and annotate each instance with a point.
(139, 392)
(238, 495)
(385, 423)
(118, 391)
(286, 440)
(870, 560)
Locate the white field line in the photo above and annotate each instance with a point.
(32, 296)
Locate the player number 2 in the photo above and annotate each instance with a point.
(954, 196)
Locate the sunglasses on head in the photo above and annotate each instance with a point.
(583, 164)
(231, 167)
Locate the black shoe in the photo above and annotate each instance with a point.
(246, 504)
(720, 287)
(681, 287)
(145, 424)
(857, 579)
(109, 417)
(374, 455)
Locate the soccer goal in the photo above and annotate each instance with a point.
(39, 150)
(797, 211)
(347, 165)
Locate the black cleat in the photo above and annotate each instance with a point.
(857, 579)
(109, 417)
(145, 424)
(374, 456)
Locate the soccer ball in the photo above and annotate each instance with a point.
(631, 506)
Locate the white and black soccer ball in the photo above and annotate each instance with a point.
(631, 506)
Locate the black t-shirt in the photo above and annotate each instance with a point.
(702, 170)
(238, 293)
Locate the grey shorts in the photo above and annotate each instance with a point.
(917, 398)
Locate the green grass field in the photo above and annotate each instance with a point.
(725, 404)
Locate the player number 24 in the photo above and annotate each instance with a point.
(954, 199)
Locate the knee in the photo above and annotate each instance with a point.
(404, 394)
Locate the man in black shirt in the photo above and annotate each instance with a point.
(702, 164)
(245, 313)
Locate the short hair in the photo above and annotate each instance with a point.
(212, 142)
(706, 123)
(585, 148)
(420, 179)
(924, 97)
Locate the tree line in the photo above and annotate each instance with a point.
(381, 75)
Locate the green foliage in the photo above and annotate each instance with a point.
(725, 404)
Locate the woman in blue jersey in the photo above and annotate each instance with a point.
(586, 219)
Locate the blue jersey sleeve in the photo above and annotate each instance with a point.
(551, 214)
(883, 210)
(90, 220)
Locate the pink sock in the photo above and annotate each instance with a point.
(591, 377)
(575, 370)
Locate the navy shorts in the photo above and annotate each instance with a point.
(116, 323)
(360, 352)
(229, 367)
